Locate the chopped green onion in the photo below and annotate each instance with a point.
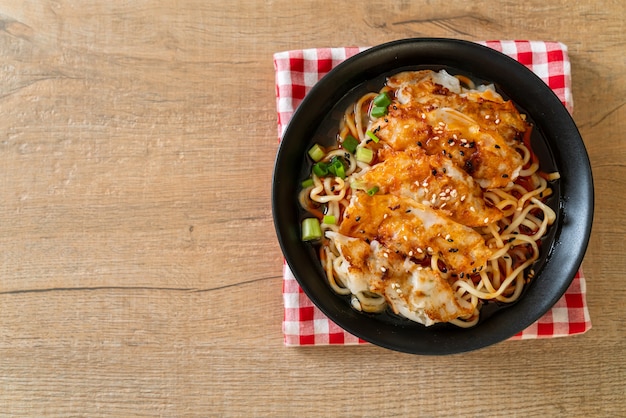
(350, 144)
(372, 136)
(340, 172)
(372, 191)
(378, 112)
(337, 168)
(311, 229)
(329, 220)
(382, 100)
(307, 183)
(316, 152)
(320, 169)
(364, 155)
(357, 185)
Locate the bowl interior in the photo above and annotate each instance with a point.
(555, 139)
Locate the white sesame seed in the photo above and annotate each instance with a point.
(383, 269)
(486, 220)
(405, 238)
(497, 121)
(429, 249)
(386, 255)
(463, 140)
(410, 253)
(423, 115)
(443, 206)
(454, 136)
(407, 126)
(453, 193)
(419, 250)
(447, 237)
(435, 138)
(472, 209)
(463, 198)
(487, 116)
(442, 124)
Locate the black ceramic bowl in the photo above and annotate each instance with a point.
(555, 139)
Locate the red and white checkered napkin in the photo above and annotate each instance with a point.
(297, 71)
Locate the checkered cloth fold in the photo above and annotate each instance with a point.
(298, 70)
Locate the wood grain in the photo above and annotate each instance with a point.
(139, 270)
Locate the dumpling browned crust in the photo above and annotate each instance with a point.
(415, 230)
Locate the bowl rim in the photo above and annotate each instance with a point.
(525, 88)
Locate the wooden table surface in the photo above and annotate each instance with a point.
(140, 274)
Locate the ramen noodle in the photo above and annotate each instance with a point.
(431, 203)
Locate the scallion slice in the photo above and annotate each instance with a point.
(364, 155)
(316, 152)
(320, 169)
(336, 167)
(372, 136)
(378, 112)
(372, 191)
(307, 183)
(340, 171)
(382, 100)
(329, 220)
(357, 185)
(350, 144)
(311, 229)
